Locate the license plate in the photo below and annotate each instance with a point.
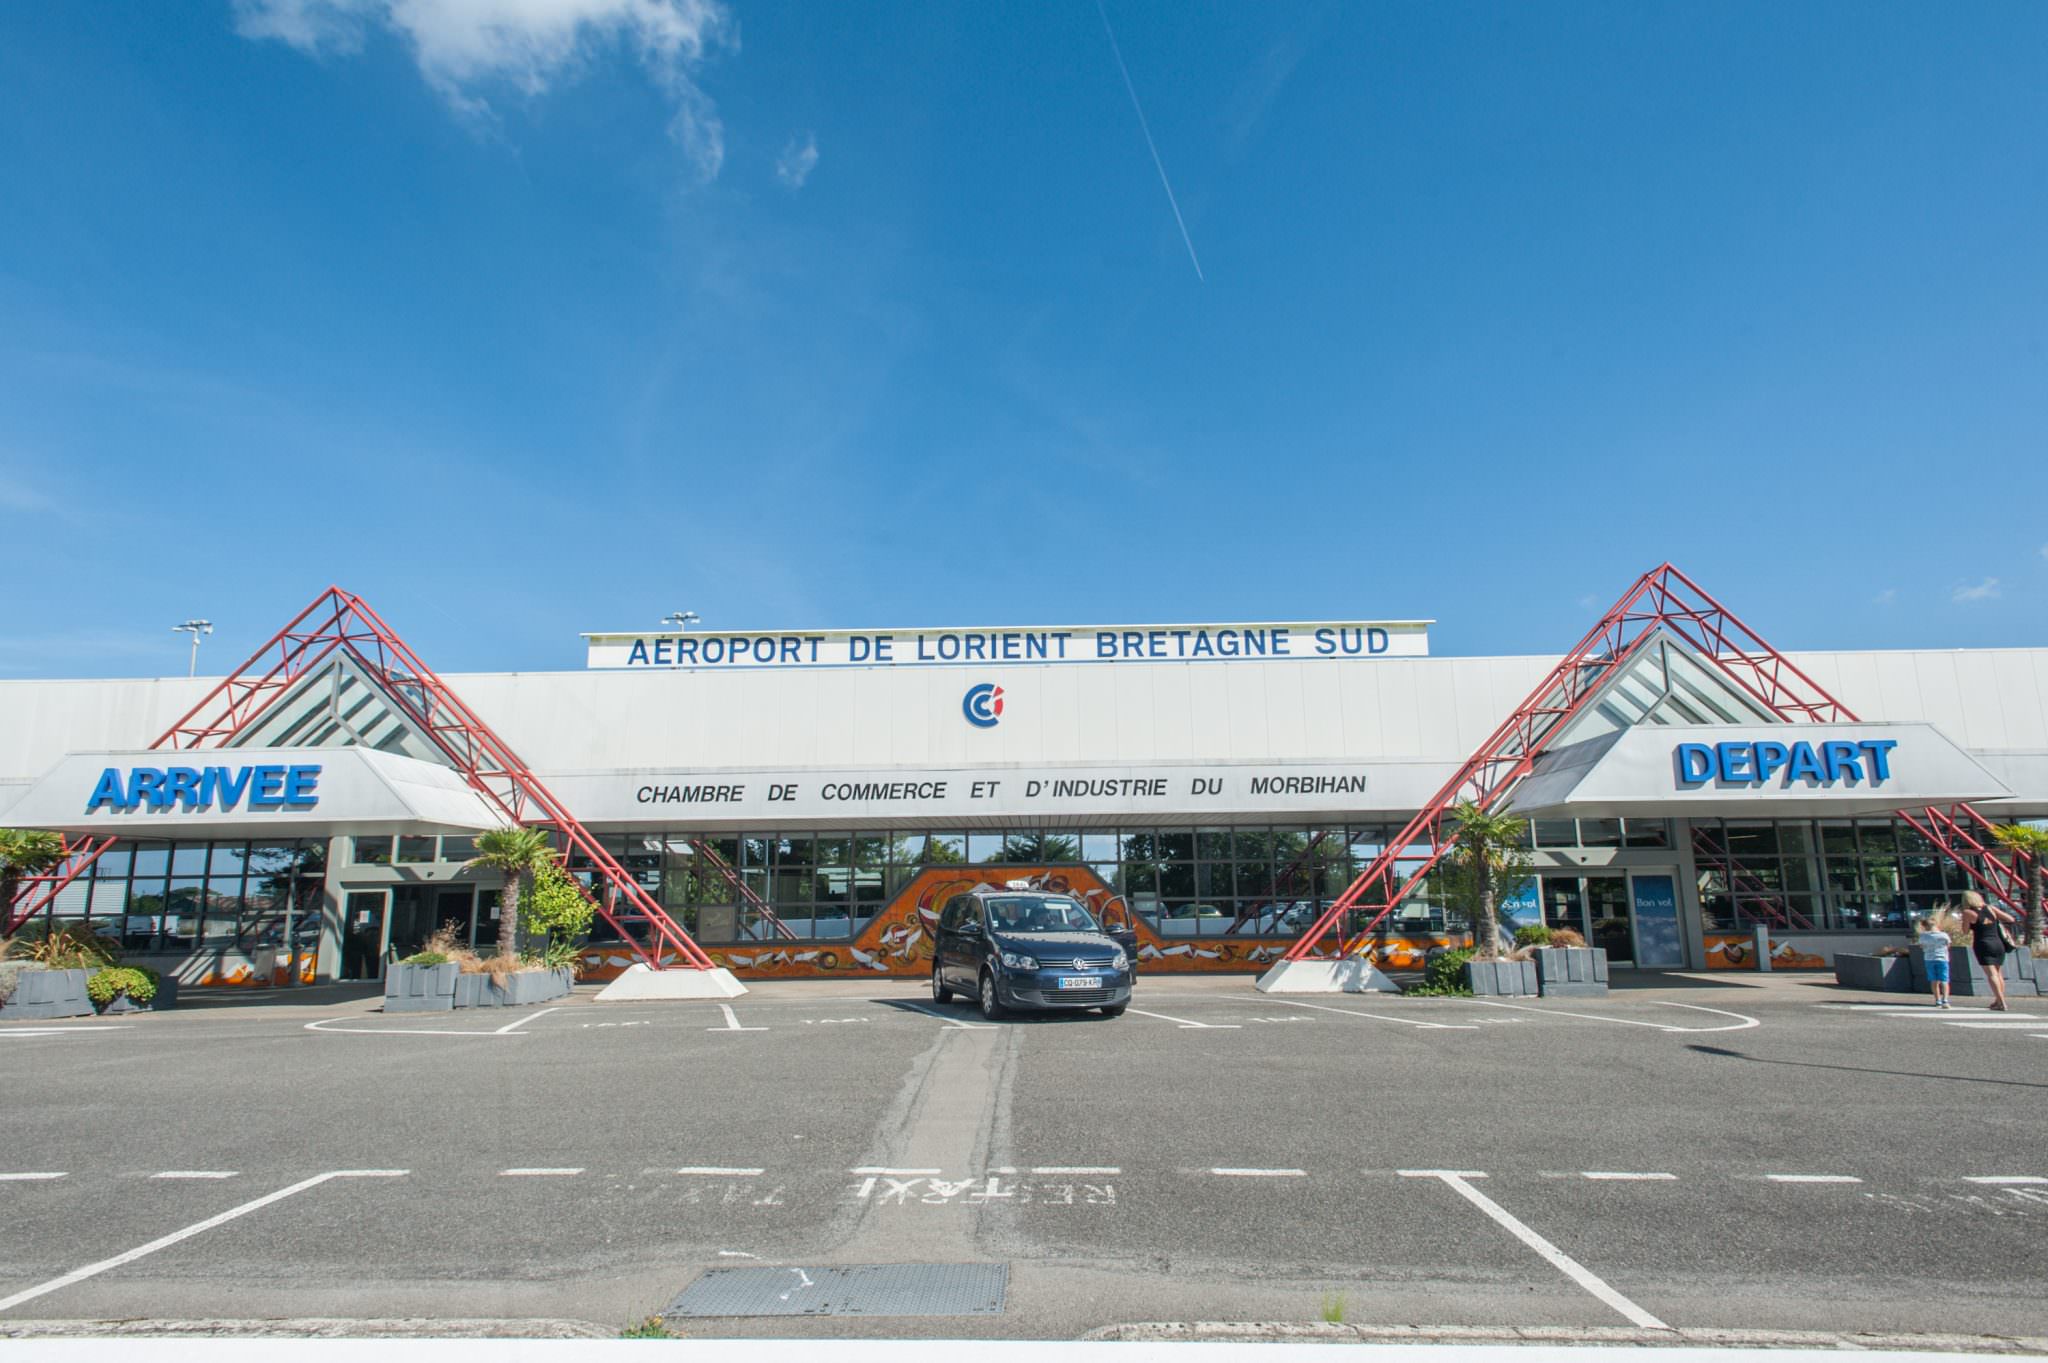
(1079, 982)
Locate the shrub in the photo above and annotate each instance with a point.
(425, 958)
(560, 955)
(1445, 973)
(114, 981)
(1532, 935)
(64, 948)
(556, 905)
(1565, 937)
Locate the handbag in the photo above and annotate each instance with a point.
(2005, 936)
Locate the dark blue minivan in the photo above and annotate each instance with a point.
(1008, 949)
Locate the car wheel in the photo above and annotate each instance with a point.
(940, 994)
(991, 1005)
(1115, 1010)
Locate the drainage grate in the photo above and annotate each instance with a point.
(863, 1290)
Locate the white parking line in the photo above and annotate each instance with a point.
(2001, 1180)
(1072, 1169)
(33, 1177)
(1377, 1017)
(325, 1026)
(196, 1173)
(1186, 1023)
(732, 1022)
(538, 1173)
(949, 1021)
(1743, 1020)
(1260, 1173)
(1813, 1178)
(1440, 1173)
(513, 1026)
(1609, 1177)
(63, 1031)
(78, 1275)
(1563, 1262)
(719, 1171)
(892, 1173)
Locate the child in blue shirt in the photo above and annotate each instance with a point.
(1934, 944)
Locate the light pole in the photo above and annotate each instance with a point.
(195, 628)
(681, 620)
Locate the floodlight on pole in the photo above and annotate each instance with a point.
(681, 620)
(195, 628)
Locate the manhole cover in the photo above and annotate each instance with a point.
(862, 1290)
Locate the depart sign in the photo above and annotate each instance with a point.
(1308, 641)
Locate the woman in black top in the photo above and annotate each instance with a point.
(1987, 941)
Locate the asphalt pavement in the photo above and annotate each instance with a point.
(1747, 1152)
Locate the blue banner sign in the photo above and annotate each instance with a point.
(1756, 763)
(196, 788)
(1656, 904)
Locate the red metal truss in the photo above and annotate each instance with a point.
(1744, 889)
(340, 622)
(37, 892)
(1663, 599)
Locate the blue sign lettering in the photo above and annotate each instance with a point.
(196, 788)
(1837, 760)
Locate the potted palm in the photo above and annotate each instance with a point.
(1487, 859)
(45, 974)
(448, 974)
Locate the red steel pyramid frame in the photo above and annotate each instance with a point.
(1661, 600)
(340, 622)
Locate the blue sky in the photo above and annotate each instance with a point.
(839, 315)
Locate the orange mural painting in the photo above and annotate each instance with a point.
(1737, 951)
(898, 942)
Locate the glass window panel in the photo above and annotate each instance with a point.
(1923, 874)
(228, 858)
(754, 851)
(1556, 833)
(1878, 839)
(458, 848)
(1061, 846)
(1366, 841)
(984, 847)
(1753, 839)
(792, 851)
(1599, 832)
(1646, 833)
(372, 852)
(1795, 839)
(1141, 878)
(1844, 876)
(872, 852)
(181, 912)
(1798, 875)
(1176, 880)
(1213, 844)
(945, 849)
(109, 899)
(1106, 871)
(834, 849)
(1099, 846)
(415, 850)
(114, 861)
(1804, 909)
(1838, 839)
(188, 859)
(152, 859)
(1213, 881)
(1255, 878)
(1023, 846)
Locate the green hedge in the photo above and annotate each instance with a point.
(1445, 974)
(117, 980)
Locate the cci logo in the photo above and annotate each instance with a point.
(983, 705)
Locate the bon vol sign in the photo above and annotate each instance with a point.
(206, 788)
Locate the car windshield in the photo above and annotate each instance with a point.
(1033, 914)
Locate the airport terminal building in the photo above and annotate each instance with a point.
(801, 801)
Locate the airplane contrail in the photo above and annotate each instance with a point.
(1150, 146)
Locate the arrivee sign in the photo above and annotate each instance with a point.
(194, 789)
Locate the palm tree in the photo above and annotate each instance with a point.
(2026, 839)
(24, 852)
(1488, 856)
(518, 853)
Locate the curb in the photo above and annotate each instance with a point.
(1221, 1332)
(308, 1327)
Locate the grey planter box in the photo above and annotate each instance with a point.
(1888, 974)
(166, 996)
(1502, 979)
(526, 987)
(49, 994)
(1966, 979)
(420, 988)
(1571, 972)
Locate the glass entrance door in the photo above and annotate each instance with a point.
(362, 934)
(1607, 910)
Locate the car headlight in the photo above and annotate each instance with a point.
(1018, 961)
(1119, 961)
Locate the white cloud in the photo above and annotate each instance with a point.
(464, 46)
(1987, 590)
(797, 161)
(2044, 551)
(1887, 597)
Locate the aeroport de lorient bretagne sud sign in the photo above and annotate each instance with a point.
(1309, 641)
